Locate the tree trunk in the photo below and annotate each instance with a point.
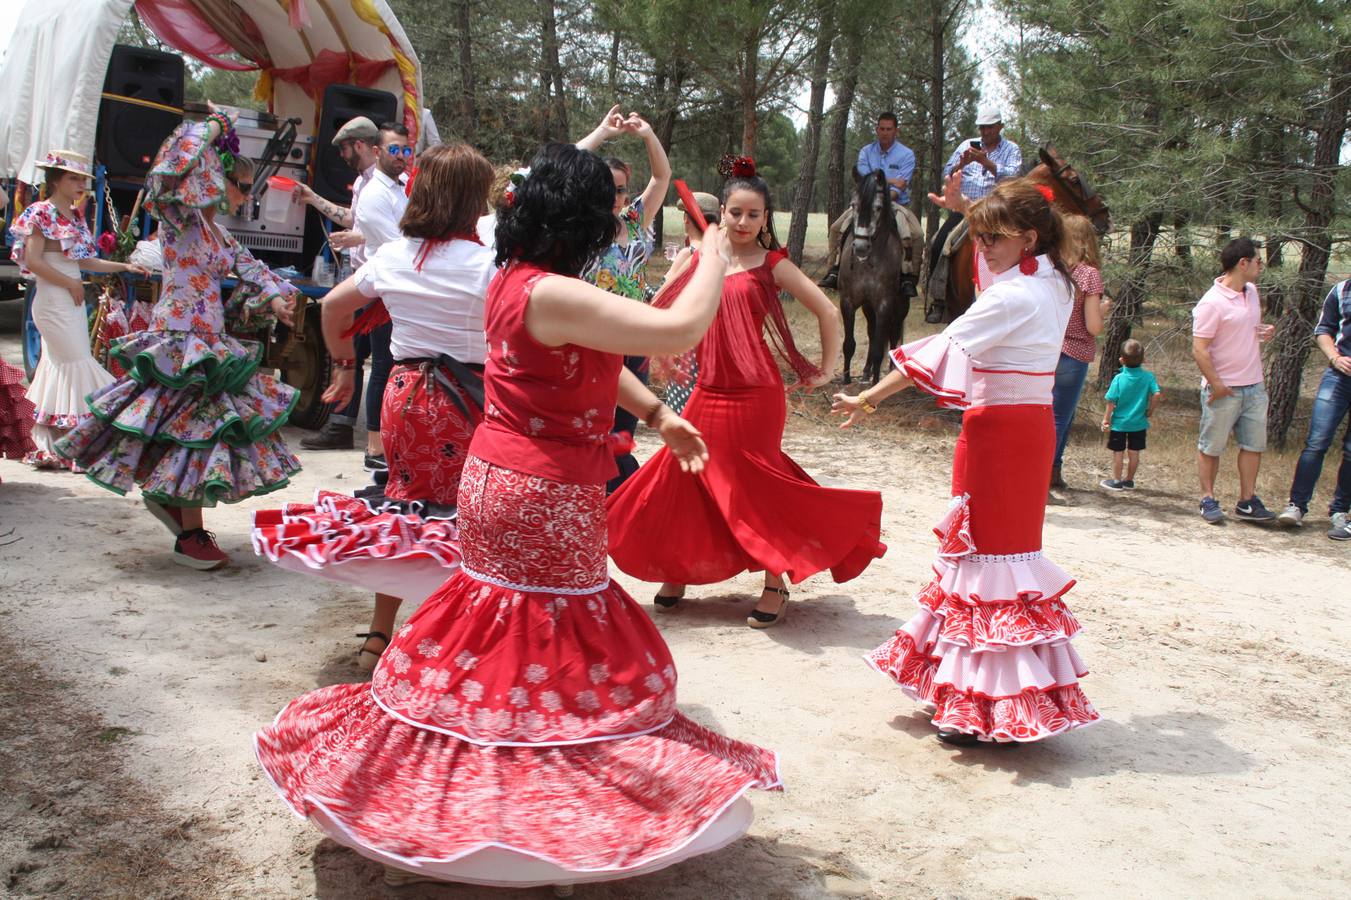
(811, 148)
(669, 79)
(1131, 298)
(1274, 299)
(468, 105)
(614, 64)
(750, 76)
(551, 75)
(937, 56)
(1293, 340)
(838, 191)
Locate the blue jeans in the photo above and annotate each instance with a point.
(374, 346)
(1330, 406)
(1070, 374)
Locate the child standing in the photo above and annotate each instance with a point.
(1131, 399)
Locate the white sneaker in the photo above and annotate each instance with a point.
(1293, 517)
(1341, 527)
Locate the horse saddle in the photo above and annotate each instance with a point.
(956, 237)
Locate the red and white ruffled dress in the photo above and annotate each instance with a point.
(522, 727)
(16, 414)
(990, 645)
(401, 539)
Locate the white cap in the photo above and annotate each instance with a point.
(988, 114)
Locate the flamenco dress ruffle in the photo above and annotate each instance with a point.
(522, 728)
(399, 539)
(193, 422)
(990, 646)
(16, 414)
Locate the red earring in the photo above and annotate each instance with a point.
(1028, 264)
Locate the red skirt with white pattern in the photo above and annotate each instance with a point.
(990, 645)
(400, 540)
(16, 414)
(522, 728)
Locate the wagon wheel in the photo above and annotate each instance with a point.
(306, 368)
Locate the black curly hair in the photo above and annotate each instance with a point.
(739, 174)
(562, 216)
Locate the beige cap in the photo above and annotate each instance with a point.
(358, 129)
(708, 204)
(988, 114)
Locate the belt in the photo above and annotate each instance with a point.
(468, 377)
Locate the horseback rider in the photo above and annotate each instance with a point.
(984, 162)
(897, 161)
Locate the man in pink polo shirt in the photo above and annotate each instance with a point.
(1227, 333)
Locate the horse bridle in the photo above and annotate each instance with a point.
(866, 233)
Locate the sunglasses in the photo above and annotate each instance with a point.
(399, 150)
(244, 186)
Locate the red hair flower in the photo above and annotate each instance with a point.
(1046, 192)
(732, 166)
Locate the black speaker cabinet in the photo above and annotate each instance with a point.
(342, 102)
(142, 103)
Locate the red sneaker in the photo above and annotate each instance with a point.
(197, 549)
(170, 516)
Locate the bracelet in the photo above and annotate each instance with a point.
(345, 364)
(652, 413)
(864, 405)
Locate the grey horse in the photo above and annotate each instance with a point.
(870, 276)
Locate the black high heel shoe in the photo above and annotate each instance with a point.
(760, 619)
(367, 659)
(667, 602)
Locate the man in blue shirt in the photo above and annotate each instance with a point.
(898, 162)
(984, 163)
(1330, 406)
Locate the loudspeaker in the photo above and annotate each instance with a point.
(342, 102)
(142, 103)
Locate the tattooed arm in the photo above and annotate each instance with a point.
(328, 209)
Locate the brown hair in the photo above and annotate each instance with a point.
(1081, 242)
(51, 177)
(1018, 205)
(501, 178)
(449, 191)
(1132, 353)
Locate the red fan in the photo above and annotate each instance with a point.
(691, 206)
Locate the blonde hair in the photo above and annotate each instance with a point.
(1081, 242)
(501, 178)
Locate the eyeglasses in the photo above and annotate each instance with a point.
(399, 150)
(244, 186)
(986, 238)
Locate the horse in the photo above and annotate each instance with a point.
(1072, 194)
(871, 276)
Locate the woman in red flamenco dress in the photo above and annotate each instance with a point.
(752, 508)
(990, 647)
(521, 729)
(399, 538)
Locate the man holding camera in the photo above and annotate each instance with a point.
(984, 162)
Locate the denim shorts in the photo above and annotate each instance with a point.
(1244, 414)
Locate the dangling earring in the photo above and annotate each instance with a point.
(1028, 264)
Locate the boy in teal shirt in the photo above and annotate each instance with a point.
(1131, 398)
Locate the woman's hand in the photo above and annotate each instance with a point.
(684, 441)
(75, 288)
(636, 124)
(136, 269)
(341, 389)
(231, 115)
(345, 240)
(284, 309)
(849, 407)
(952, 197)
(1105, 307)
(612, 124)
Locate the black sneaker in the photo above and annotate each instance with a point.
(331, 437)
(1112, 484)
(376, 463)
(1252, 510)
(1128, 484)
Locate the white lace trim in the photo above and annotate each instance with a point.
(1005, 557)
(535, 588)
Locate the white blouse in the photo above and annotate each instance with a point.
(437, 310)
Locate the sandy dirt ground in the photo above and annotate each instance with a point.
(1220, 658)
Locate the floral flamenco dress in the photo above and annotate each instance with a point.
(400, 538)
(521, 729)
(990, 645)
(192, 422)
(16, 414)
(752, 508)
(67, 371)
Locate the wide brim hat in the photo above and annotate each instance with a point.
(68, 161)
(707, 203)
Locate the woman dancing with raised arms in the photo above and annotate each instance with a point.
(990, 645)
(753, 508)
(521, 729)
